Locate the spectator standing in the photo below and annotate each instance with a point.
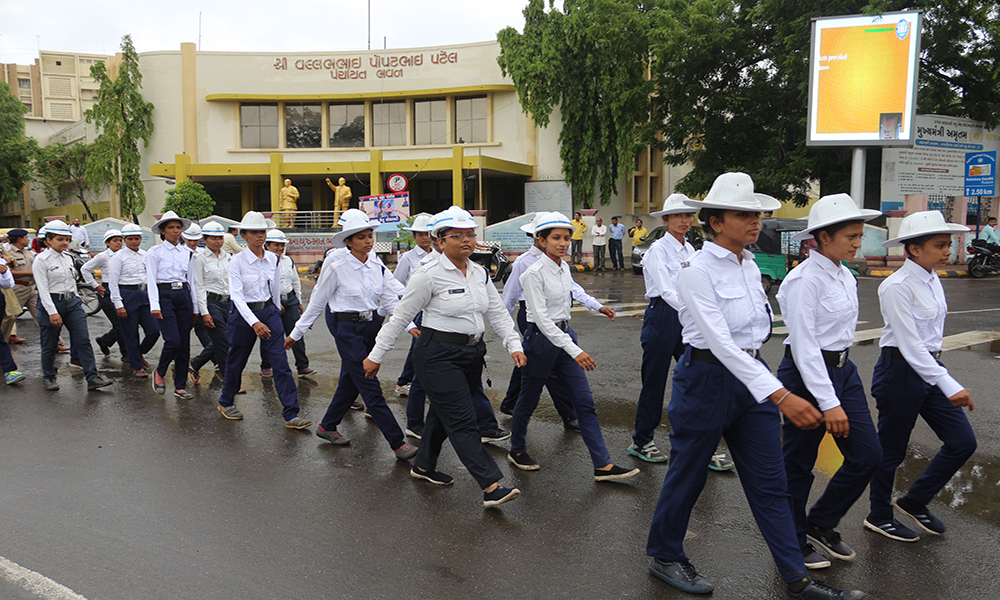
(79, 233)
(229, 243)
(579, 228)
(638, 232)
(616, 231)
(600, 233)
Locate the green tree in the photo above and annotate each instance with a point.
(123, 119)
(16, 150)
(587, 61)
(732, 80)
(189, 200)
(60, 169)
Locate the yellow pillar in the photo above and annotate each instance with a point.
(375, 172)
(182, 168)
(277, 162)
(189, 99)
(457, 196)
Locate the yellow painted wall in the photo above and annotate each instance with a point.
(790, 211)
(101, 210)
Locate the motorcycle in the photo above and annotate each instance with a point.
(91, 301)
(494, 260)
(984, 259)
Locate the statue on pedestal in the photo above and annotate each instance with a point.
(289, 197)
(341, 194)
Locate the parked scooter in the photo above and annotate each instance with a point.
(984, 258)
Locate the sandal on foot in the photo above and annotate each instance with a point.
(230, 412)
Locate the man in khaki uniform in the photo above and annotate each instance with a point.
(20, 260)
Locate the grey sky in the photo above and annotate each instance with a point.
(96, 26)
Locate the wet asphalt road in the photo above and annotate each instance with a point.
(126, 495)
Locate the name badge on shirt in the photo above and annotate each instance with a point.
(457, 291)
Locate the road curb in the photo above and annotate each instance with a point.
(940, 272)
(585, 267)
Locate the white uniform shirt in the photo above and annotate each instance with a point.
(451, 302)
(914, 308)
(125, 267)
(79, 233)
(600, 234)
(53, 275)
(253, 279)
(547, 295)
(6, 279)
(211, 275)
(819, 302)
(290, 281)
(167, 263)
(661, 265)
(349, 285)
(100, 261)
(514, 293)
(408, 263)
(724, 310)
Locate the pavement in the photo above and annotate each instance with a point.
(123, 494)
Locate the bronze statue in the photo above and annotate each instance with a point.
(341, 195)
(289, 203)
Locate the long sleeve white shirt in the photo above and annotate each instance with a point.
(600, 233)
(661, 265)
(513, 292)
(253, 279)
(290, 281)
(6, 278)
(53, 273)
(167, 263)
(724, 310)
(914, 308)
(349, 285)
(408, 262)
(819, 303)
(79, 233)
(211, 275)
(547, 296)
(100, 261)
(451, 302)
(125, 267)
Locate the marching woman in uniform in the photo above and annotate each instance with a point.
(721, 388)
(113, 240)
(355, 286)
(661, 329)
(819, 302)
(457, 298)
(291, 301)
(127, 284)
(408, 263)
(910, 381)
(172, 301)
(553, 355)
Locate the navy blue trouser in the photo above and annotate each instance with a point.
(617, 258)
(241, 342)
(560, 399)
(205, 337)
(175, 327)
(115, 336)
(406, 376)
(217, 350)
(136, 305)
(861, 449)
(901, 396)
(453, 372)
(7, 363)
(708, 402)
(288, 319)
(661, 342)
(74, 319)
(354, 342)
(550, 365)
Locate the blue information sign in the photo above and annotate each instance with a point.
(980, 173)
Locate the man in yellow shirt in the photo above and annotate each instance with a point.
(576, 240)
(638, 232)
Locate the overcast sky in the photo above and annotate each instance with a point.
(97, 26)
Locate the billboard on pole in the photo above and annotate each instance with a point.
(863, 80)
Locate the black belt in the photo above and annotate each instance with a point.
(175, 285)
(288, 295)
(832, 358)
(65, 296)
(452, 338)
(353, 317)
(895, 353)
(707, 356)
(218, 297)
(255, 306)
(134, 287)
(522, 305)
(660, 300)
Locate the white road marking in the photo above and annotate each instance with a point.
(978, 310)
(968, 338)
(35, 583)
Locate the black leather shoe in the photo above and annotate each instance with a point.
(681, 575)
(573, 425)
(817, 590)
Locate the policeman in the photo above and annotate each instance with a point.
(910, 381)
(819, 302)
(456, 296)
